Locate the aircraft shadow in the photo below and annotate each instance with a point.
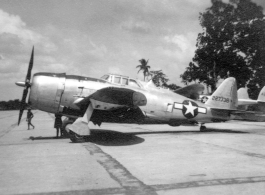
(113, 138)
(189, 132)
(223, 131)
(45, 138)
(107, 137)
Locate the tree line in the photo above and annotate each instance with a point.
(10, 105)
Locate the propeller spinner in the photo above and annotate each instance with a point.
(26, 86)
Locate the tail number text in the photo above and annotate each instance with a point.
(220, 99)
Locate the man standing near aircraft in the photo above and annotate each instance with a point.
(58, 124)
(29, 117)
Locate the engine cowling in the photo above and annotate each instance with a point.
(46, 91)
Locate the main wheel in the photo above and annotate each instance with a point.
(76, 138)
(203, 128)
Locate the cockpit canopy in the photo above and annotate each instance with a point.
(121, 80)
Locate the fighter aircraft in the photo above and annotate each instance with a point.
(120, 99)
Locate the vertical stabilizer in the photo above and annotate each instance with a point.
(261, 100)
(243, 99)
(261, 97)
(242, 93)
(225, 96)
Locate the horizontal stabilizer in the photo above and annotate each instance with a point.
(246, 102)
(225, 96)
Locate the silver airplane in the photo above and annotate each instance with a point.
(120, 99)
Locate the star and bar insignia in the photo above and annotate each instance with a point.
(189, 109)
(204, 99)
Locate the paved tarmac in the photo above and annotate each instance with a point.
(132, 159)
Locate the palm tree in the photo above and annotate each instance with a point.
(144, 67)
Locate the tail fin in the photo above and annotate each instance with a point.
(261, 97)
(242, 93)
(261, 100)
(225, 96)
(243, 99)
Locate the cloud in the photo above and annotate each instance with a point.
(98, 51)
(182, 47)
(12, 24)
(13, 29)
(136, 26)
(135, 54)
(183, 42)
(7, 67)
(177, 50)
(114, 70)
(56, 67)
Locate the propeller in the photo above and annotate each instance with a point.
(26, 85)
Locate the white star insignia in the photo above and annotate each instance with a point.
(190, 109)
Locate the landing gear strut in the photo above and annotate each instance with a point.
(79, 130)
(202, 127)
(66, 122)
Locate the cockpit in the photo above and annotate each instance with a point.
(121, 80)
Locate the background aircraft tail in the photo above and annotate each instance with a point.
(225, 96)
(243, 99)
(261, 100)
(261, 97)
(242, 93)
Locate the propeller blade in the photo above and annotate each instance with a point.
(28, 77)
(23, 103)
(20, 115)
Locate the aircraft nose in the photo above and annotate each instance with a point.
(139, 99)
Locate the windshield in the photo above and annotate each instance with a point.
(105, 77)
(133, 83)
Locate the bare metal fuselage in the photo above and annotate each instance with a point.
(56, 93)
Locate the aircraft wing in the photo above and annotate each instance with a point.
(122, 104)
(191, 91)
(111, 98)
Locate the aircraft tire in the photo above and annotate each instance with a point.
(76, 138)
(203, 128)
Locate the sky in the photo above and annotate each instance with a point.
(96, 37)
